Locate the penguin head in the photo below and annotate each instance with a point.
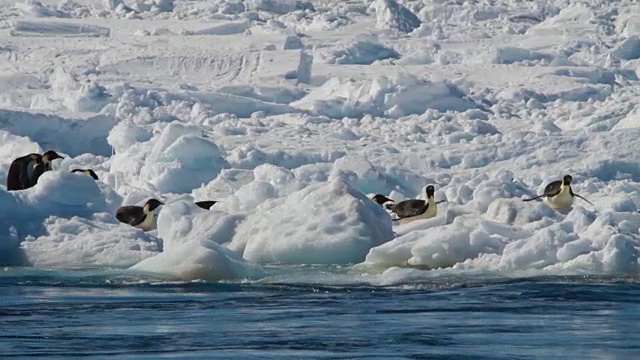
(430, 190)
(50, 155)
(88, 172)
(566, 180)
(152, 204)
(381, 199)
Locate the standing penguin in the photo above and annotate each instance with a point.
(25, 170)
(558, 194)
(141, 217)
(21, 172)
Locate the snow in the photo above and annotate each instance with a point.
(290, 113)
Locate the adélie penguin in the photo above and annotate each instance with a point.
(416, 209)
(141, 217)
(559, 195)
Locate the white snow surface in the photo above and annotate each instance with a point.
(290, 113)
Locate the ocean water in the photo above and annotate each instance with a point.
(106, 314)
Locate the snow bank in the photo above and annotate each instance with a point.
(87, 242)
(89, 135)
(325, 223)
(192, 249)
(46, 29)
(229, 28)
(515, 237)
(394, 97)
(23, 213)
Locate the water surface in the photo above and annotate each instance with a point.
(102, 314)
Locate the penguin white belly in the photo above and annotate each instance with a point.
(432, 211)
(148, 223)
(560, 201)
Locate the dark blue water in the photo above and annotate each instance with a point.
(94, 315)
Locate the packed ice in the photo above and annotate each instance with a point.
(291, 115)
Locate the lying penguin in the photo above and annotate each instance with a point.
(88, 172)
(558, 194)
(141, 217)
(415, 209)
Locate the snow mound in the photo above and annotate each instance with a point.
(576, 18)
(66, 9)
(438, 245)
(251, 189)
(324, 223)
(393, 97)
(74, 94)
(359, 51)
(176, 160)
(192, 249)
(579, 242)
(273, 6)
(23, 213)
(82, 242)
(391, 15)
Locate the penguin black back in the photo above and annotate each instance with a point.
(207, 204)
(88, 172)
(20, 176)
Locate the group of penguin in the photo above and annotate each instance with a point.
(25, 171)
(557, 194)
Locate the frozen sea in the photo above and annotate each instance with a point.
(87, 314)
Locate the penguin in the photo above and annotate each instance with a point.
(380, 199)
(21, 170)
(415, 209)
(141, 217)
(48, 157)
(207, 204)
(558, 194)
(88, 172)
